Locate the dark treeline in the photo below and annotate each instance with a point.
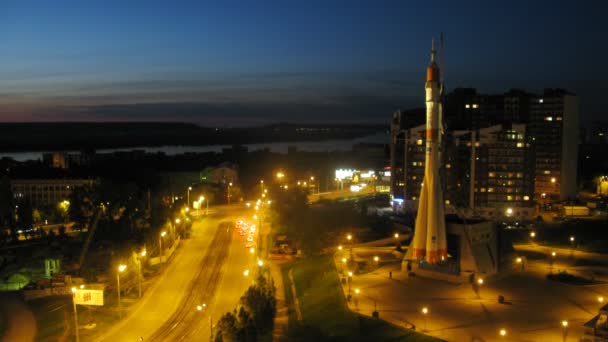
(79, 136)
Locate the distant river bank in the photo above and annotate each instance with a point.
(276, 147)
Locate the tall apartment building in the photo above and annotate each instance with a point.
(554, 127)
(525, 151)
(497, 175)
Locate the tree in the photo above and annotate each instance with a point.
(81, 205)
(25, 218)
(227, 328)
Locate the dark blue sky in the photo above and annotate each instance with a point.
(254, 62)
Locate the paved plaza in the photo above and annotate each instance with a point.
(533, 311)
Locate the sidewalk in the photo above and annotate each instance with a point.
(281, 319)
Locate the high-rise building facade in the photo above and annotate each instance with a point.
(525, 151)
(554, 127)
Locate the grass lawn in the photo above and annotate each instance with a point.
(324, 311)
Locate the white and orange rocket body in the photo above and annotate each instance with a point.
(429, 242)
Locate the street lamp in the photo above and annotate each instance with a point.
(376, 259)
(260, 263)
(251, 250)
(189, 189)
(349, 237)
(553, 254)
(140, 275)
(520, 261)
(350, 280)
(572, 244)
(228, 192)
(121, 268)
(479, 283)
(160, 244)
(75, 314)
(425, 312)
(201, 307)
(600, 299)
(503, 332)
(565, 330)
(340, 247)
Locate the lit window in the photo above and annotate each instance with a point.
(491, 174)
(475, 105)
(547, 172)
(548, 118)
(490, 189)
(467, 106)
(509, 198)
(558, 118)
(540, 101)
(520, 144)
(526, 198)
(414, 198)
(553, 180)
(414, 177)
(447, 202)
(419, 142)
(477, 144)
(448, 166)
(482, 189)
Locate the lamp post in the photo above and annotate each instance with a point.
(139, 259)
(350, 280)
(572, 245)
(425, 312)
(228, 192)
(532, 236)
(564, 330)
(75, 314)
(121, 269)
(189, 189)
(502, 332)
(479, 283)
(349, 237)
(553, 254)
(160, 243)
(520, 261)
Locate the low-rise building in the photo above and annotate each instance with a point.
(46, 191)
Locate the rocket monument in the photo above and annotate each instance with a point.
(429, 242)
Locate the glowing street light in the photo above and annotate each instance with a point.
(160, 244)
(260, 263)
(533, 234)
(251, 250)
(425, 312)
(75, 314)
(600, 299)
(201, 307)
(139, 273)
(121, 268)
(376, 259)
(565, 330)
(246, 273)
(503, 332)
(340, 247)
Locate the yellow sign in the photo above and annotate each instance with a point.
(88, 297)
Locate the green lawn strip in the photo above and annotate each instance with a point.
(324, 307)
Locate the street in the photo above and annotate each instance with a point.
(208, 266)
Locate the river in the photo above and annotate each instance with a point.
(277, 147)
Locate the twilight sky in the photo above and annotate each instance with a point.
(256, 62)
